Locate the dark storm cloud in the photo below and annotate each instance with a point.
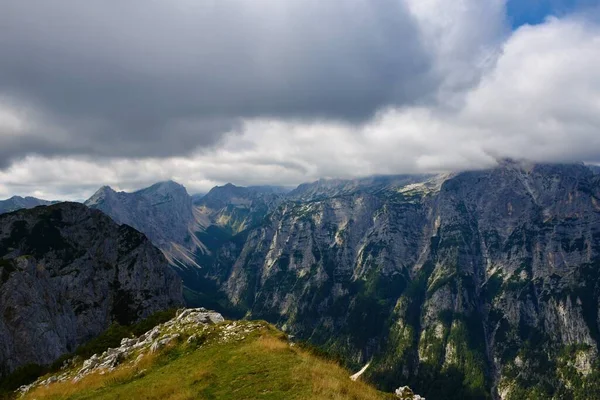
(159, 78)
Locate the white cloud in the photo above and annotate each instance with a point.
(538, 99)
(463, 36)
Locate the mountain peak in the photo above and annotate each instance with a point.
(101, 195)
(162, 211)
(514, 163)
(227, 189)
(169, 183)
(105, 189)
(164, 187)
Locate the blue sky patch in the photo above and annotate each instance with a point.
(532, 12)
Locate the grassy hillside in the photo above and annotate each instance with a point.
(259, 363)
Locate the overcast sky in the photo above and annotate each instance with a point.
(127, 93)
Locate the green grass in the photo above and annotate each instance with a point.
(263, 365)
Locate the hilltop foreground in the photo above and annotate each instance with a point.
(198, 355)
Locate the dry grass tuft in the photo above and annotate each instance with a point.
(330, 381)
(272, 343)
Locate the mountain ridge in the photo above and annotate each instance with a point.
(198, 354)
(17, 203)
(67, 272)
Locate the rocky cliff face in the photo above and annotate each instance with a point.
(185, 229)
(162, 211)
(188, 231)
(68, 272)
(478, 284)
(17, 203)
(484, 282)
(235, 208)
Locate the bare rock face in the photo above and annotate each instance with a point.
(162, 211)
(235, 208)
(184, 229)
(486, 280)
(68, 272)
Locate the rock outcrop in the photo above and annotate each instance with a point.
(184, 325)
(406, 393)
(67, 273)
(190, 325)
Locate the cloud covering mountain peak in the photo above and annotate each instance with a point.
(285, 92)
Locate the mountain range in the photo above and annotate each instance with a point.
(18, 203)
(482, 280)
(478, 284)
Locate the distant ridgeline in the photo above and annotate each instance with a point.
(472, 285)
(17, 203)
